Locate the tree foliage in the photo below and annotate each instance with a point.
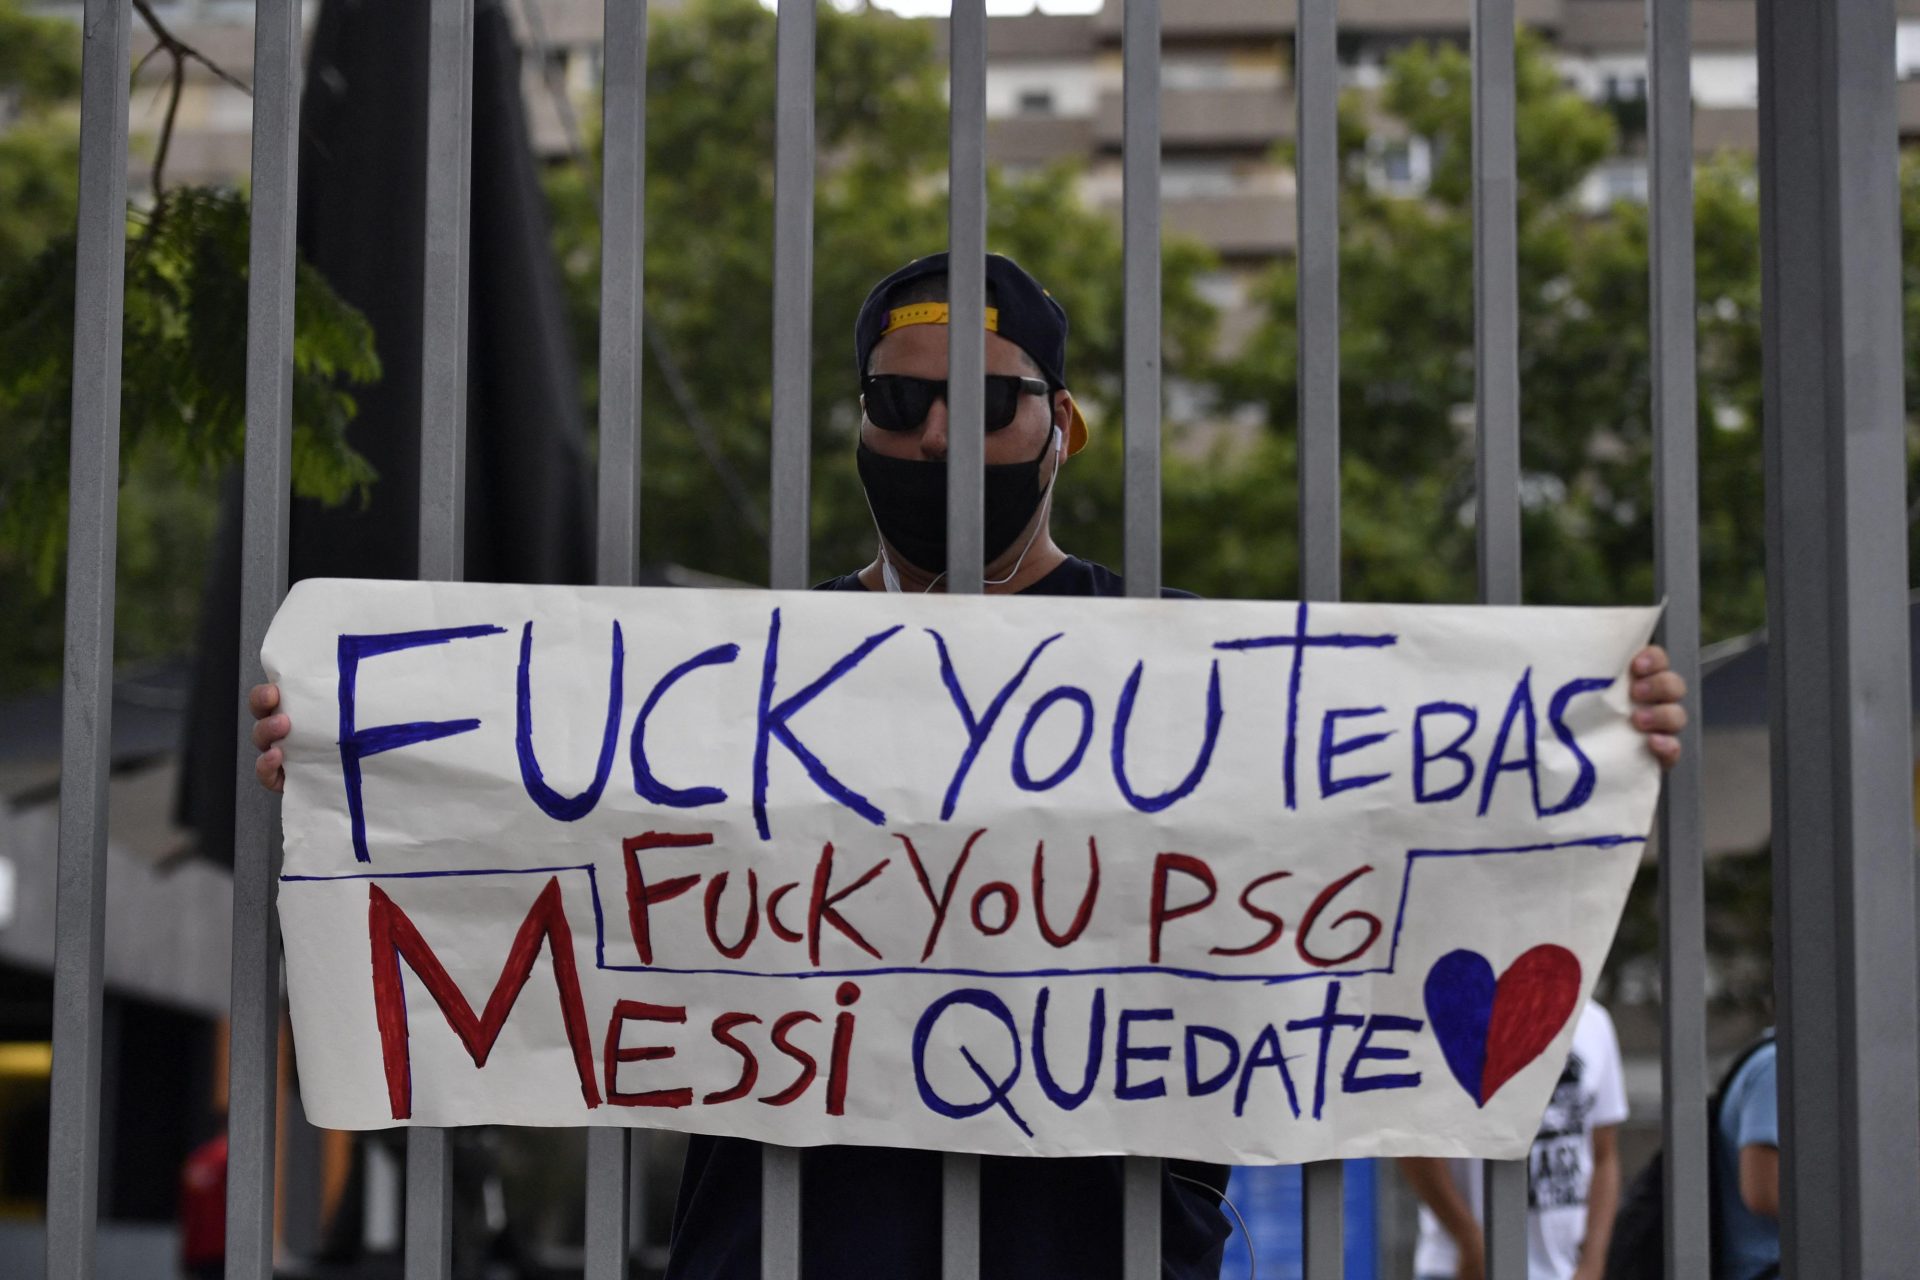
(881, 129)
(183, 370)
(1407, 371)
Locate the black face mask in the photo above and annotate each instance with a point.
(909, 501)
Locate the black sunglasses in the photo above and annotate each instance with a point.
(896, 402)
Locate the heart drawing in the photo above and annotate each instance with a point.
(1490, 1029)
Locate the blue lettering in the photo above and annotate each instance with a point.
(551, 802)
(1351, 1081)
(356, 744)
(1121, 718)
(1520, 704)
(1124, 1052)
(1582, 789)
(1196, 1087)
(1452, 751)
(645, 784)
(997, 1090)
(1064, 693)
(1329, 1020)
(1096, 1037)
(977, 730)
(1331, 747)
(772, 724)
(1264, 1053)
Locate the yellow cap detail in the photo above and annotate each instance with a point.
(930, 313)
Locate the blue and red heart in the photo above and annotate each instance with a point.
(1490, 1029)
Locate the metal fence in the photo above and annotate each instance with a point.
(1848, 977)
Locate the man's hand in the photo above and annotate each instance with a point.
(268, 728)
(1656, 691)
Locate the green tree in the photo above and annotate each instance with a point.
(881, 130)
(183, 377)
(1407, 385)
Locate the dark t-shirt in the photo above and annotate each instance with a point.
(875, 1211)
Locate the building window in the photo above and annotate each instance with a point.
(1036, 102)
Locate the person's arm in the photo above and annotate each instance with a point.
(1760, 1179)
(1428, 1177)
(1603, 1200)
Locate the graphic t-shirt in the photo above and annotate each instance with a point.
(1590, 1094)
(875, 1211)
(1749, 1116)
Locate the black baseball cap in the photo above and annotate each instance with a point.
(1024, 314)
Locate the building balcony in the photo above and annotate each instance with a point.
(1184, 20)
(1215, 119)
(1026, 140)
(1248, 224)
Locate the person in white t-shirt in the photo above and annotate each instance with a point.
(1573, 1176)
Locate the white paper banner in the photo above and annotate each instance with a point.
(1230, 881)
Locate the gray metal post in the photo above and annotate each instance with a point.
(793, 159)
(73, 1167)
(443, 473)
(623, 107)
(254, 1041)
(1683, 926)
(966, 458)
(1141, 397)
(1496, 358)
(1316, 71)
(1838, 692)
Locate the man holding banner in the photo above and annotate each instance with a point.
(871, 1194)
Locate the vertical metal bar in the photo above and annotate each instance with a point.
(429, 1228)
(1140, 160)
(623, 168)
(1496, 304)
(443, 381)
(73, 1167)
(779, 1213)
(623, 187)
(967, 285)
(443, 474)
(1316, 71)
(792, 292)
(1141, 397)
(608, 1171)
(1496, 355)
(1683, 945)
(966, 460)
(1838, 691)
(793, 159)
(254, 1042)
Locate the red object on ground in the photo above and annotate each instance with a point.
(203, 1204)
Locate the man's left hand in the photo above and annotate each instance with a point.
(1657, 690)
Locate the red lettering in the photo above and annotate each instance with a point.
(774, 922)
(1085, 910)
(1009, 907)
(718, 886)
(749, 1066)
(821, 910)
(394, 937)
(1159, 913)
(641, 896)
(625, 1011)
(1313, 915)
(1275, 925)
(945, 898)
(808, 1067)
(842, 1050)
